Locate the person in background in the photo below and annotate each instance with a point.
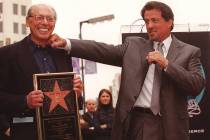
(90, 119)
(19, 61)
(157, 76)
(105, 114)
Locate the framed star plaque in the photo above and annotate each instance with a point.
(58, 118)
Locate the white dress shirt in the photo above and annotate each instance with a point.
(144, 99)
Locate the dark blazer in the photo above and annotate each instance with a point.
(88, 131)
(16, 76)
(4, 125)
(104, 115)
(91, 120)
(181, 78)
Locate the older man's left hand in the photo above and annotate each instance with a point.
(78, 85)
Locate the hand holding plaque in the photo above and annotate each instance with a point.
(58, 118)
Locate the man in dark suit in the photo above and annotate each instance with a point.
(19, 61)
(90, 119)
(157, 75)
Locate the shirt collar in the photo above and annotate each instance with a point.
(34, 47)
(166, 42)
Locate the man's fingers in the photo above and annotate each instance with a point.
(154, 57)
(35, 99)
(56, 41)
(37, 102)
(78, 85)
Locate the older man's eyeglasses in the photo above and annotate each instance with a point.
(40, 18)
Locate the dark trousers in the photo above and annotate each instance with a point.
(144, 125)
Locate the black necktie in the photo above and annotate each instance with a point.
(155, 101)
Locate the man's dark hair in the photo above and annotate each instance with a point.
(165, 10)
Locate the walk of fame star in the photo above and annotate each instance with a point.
(57, 97)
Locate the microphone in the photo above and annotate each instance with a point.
(99, 19)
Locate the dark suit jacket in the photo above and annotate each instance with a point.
(16, 76)
(92, 121)
(4, 125)
(181, 78)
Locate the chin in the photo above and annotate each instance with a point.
(153, 38)
(44, 37)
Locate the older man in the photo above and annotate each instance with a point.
(19, 61)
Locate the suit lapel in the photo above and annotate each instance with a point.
(26, 60)
(145, 50)
(174, 49)
(173, 52)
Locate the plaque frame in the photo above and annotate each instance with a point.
(52, 118)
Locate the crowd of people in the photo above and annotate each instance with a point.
(96, 122)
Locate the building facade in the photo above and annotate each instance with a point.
(12, 20)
